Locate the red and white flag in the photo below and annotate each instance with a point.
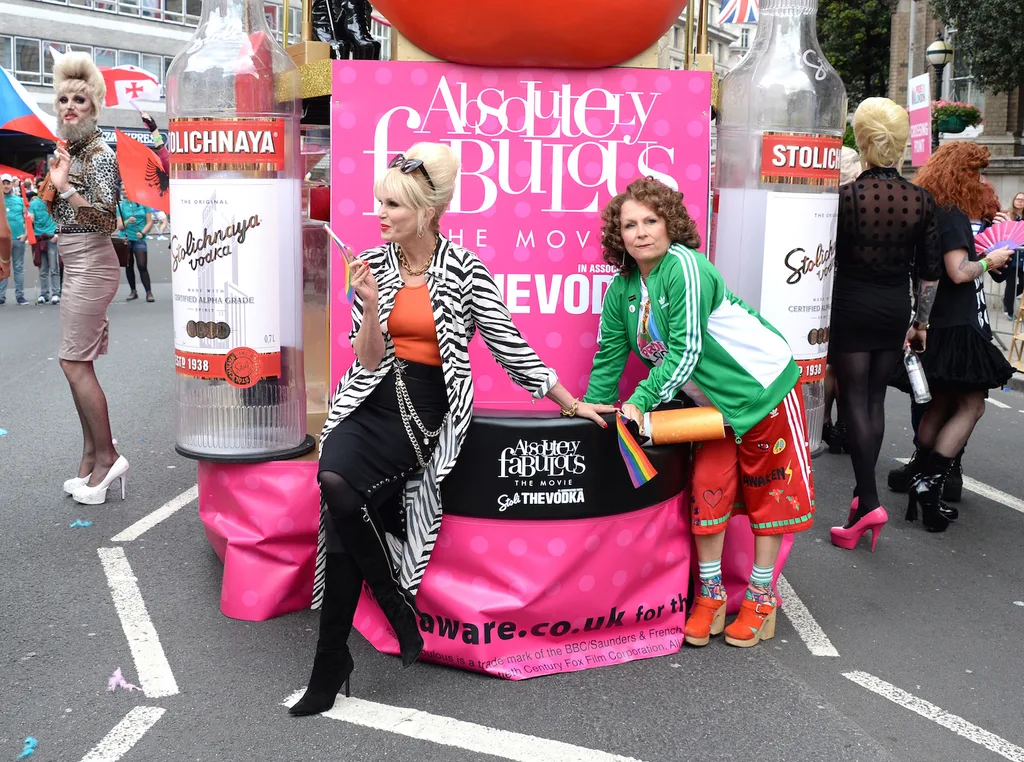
(128, 83)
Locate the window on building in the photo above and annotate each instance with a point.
(270, 12)
(104, 56)
(294, 25)
(154, 65)
(382, 33)
(174, 10)
(167, 65)
(745, 37)
(959, 81)
(125, 58)
(193, 10)
(6, 52)
(81, 3)
(27, 61)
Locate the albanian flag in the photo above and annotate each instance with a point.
(145, 181)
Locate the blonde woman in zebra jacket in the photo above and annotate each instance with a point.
(402, 411)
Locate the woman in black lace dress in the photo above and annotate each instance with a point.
(887, 233)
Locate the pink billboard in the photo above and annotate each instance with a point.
(542, 151)
(919, 104)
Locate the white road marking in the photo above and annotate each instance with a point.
(805, 625)
(997, 403)
(929, 711)
(151, 520)
(985, 490)
(125, 734)
(448, 731)
(151, 665)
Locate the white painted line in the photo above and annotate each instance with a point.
(929, 711)
(151, 665)
(805, 625)
(125, 734)
(980, 488)
(164, 512)
(447, 731)
(997, 403)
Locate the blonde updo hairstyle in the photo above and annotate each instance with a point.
(881, 128)
(76, 73)
(442, 165)
(849, 166)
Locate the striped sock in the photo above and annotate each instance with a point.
(711, 580)
(760, 587)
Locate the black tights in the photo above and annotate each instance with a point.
(863, 377)
(950, 420)
(139, 257)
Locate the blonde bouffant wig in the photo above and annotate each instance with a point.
(881, 128)
(76, 73)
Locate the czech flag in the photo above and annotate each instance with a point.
(19, 113)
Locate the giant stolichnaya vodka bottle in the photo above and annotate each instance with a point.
(780, 126)
(233, 99)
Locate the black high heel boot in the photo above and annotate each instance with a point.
(332, 665)
(925, 490)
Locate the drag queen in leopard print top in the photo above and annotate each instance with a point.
(86, 178)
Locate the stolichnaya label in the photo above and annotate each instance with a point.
(225, 276)
(800, 159)
(208, 141)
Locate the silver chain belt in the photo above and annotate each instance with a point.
(410, 416)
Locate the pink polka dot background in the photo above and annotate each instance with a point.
(524, 232)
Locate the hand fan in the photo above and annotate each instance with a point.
(348, 257)
(1009, 234)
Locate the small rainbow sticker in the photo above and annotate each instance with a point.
(348, 256)
(637, 464)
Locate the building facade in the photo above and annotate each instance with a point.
(727, 43)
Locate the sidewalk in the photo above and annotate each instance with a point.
(1002, 326)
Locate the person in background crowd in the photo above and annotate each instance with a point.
(135, 222)
(6, 240)
(402, 410)
(86, 178)
(1014, 273)
(670, 306)
(45, 251)
(887, 233)
(959, 360)
(14, 207)
(836, 436)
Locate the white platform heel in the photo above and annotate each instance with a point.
(72, 484)
(97, 495)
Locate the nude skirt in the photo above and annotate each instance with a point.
(91, 277)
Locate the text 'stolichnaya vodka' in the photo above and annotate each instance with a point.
(233, 100)
(780, 127)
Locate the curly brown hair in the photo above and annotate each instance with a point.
(660, 199)
(953, 176)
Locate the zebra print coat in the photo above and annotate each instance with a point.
(465, 299)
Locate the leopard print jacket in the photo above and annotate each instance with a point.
(96, 177)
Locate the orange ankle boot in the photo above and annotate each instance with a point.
(756, 622)
(706, 619)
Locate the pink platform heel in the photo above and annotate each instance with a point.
(848, 538)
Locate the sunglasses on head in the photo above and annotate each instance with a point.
(408, 166)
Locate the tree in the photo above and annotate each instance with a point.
(989, 35)
(854, 35)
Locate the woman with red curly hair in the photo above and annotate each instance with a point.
(670, 306)
(959, 360)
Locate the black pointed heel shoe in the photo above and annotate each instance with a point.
(331, 673)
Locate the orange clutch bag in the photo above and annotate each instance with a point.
(694, 424)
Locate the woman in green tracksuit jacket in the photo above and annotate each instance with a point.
(670, 306)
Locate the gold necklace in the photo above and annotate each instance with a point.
(404, 262)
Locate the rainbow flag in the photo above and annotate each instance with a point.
(348, 257)
(639, 466)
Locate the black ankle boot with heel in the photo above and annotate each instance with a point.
(925, 490)
(332, 665)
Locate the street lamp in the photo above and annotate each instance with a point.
(939, 53)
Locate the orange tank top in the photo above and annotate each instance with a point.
(412, 328)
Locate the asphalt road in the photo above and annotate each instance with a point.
(932, 615)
